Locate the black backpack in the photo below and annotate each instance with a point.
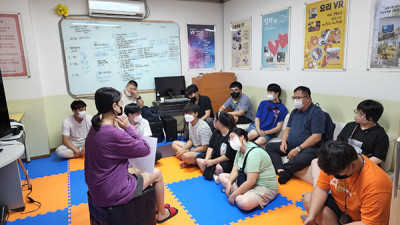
(150, 114)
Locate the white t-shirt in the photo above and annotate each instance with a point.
(143, 128)
(127, 100)
(77, 132)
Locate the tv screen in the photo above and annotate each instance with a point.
(387, 28)
(170, 86)
(5, 128)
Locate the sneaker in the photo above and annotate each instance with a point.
(216, 179)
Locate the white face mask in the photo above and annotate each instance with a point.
(298, 103)
(138, 119)
(188, 118)
(271, 97)
(235, 143)
(82, 114)
(127, 93)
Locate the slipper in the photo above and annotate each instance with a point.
(172, 212)
(166, 205)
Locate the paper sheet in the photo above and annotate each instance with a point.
(146, 163)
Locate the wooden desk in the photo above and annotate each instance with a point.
(10, 185)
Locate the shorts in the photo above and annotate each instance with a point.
(243, 120)
(139, 185)
(331, 203)
(262, 194)
(253, 127)
(226, 165)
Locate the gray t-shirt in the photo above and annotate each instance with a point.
(243, 103)
(200, 133)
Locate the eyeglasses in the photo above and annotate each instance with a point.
(297, 98)
(358, 114)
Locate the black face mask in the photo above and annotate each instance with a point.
(235, 94)
(120, 114)
(193, 99)
(339, 177)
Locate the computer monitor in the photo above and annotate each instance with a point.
(387, 28)
(170, 86)
(5, 128)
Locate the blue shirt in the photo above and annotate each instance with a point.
(243, 103)
(302, 125)
(270, 118)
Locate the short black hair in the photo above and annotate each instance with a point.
(191, 89)
(275, 88)
(335, 156)
(132, 82)
(191, 108)
(236, 84)
(240, 132)
(77, 104)
(226, 119)
(373, 110)
(303, 89)
(132, 108)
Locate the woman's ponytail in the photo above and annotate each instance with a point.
(96, 122)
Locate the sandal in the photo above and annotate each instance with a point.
(172, 212)
(166, 205)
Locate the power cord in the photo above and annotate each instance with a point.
(31, 200)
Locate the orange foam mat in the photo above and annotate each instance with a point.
(172, 172)
(51, 191)
(294, 188)
(76, 164)
(287, 215)
(79, 214)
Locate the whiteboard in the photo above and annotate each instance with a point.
(108, 53)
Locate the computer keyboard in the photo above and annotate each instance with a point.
(176, 100)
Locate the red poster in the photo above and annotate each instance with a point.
(12, 56)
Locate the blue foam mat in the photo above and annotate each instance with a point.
(78, 187)
(59, 217)
(300, 205)
(203, 199)
(45, 167)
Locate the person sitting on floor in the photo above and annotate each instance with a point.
(241, 105)
(270, 116)
(74, 131)
(259, 187)
(360, 191)
(199, 137)
(219, 153)
(131, 94)
(142, 126)
(300, 138)
(364, 134)
(108, 150)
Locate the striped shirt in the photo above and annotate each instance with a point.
(200, 133)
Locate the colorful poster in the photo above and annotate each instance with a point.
(325, 31)
(201, 46)
(12, 55)
(385, 47)
(241, 44)
(275, 39)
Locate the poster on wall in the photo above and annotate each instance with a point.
(12, 55)
(201, 46)
(241, 44)
(325, 34)
(275, 40)
(385, 46)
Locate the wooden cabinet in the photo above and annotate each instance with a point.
(215, 86)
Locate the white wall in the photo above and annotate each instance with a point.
(356, 81)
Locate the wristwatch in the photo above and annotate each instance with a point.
(140, 97)
(298, 149)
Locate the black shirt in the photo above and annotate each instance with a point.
(374, 141)
(204, 104)
(220, 144)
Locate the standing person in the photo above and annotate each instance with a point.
(241, 105)
(260, 186)
(199, 137)
(106, 159)
(131, 94)
(360, 191)
(74, 131)
(219, 153)
(270, 116)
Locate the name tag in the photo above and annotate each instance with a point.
(222, 150)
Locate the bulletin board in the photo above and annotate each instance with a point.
(110, 52)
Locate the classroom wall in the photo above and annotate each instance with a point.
(44, 97)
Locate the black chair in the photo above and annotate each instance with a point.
(141, 210)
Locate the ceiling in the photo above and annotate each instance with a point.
(215, 1)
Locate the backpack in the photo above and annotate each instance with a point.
(329, 125)
(150, 114)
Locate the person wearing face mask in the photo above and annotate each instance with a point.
(364, 134)
(260, 186)
(270, 116)
(204, 102)
(108, 150)
(360, 191)
(199, 137)
(301, 137)
(74, 131)
(131, 94)
(219, 152)
(241, 105)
